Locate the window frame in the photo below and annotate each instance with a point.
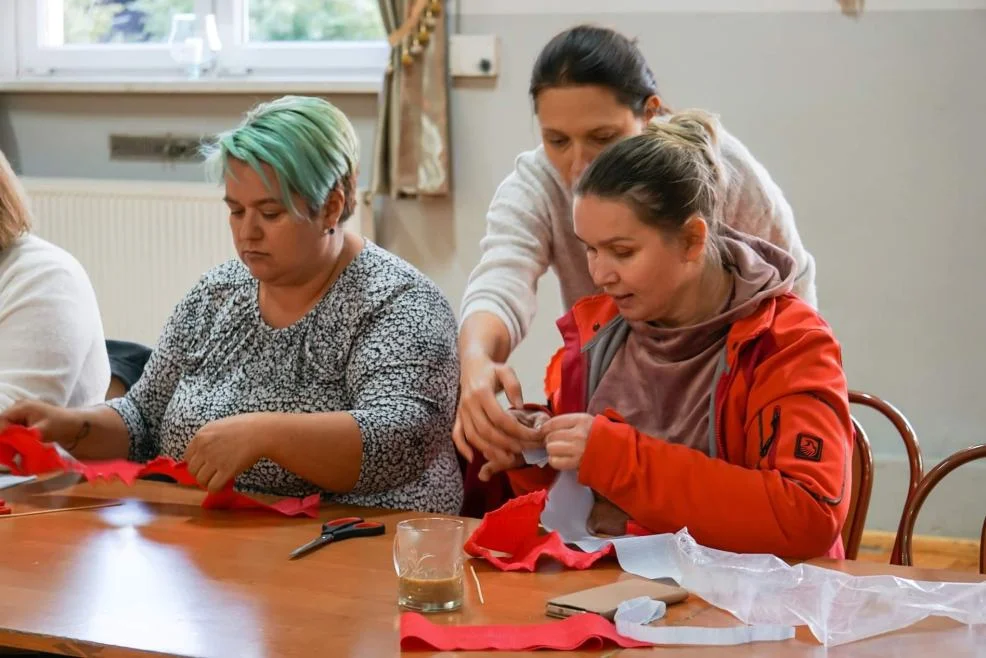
(342, 59)
(8, 41)
(35, 58)
(352, 61)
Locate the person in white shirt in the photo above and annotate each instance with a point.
(52, 346)
(591, 87)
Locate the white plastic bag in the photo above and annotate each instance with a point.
(837, 607)
(763, 590)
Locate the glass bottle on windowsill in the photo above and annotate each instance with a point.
(194, 43)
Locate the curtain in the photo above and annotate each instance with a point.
(411, 154)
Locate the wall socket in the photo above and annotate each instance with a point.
(474, 55)
(156, 148)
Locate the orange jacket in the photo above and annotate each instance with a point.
(780, 479)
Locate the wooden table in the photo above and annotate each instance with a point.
(158, 575)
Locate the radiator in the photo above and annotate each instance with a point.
(144, 244)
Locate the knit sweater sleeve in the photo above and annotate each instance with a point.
(516, 249)
(756, 205)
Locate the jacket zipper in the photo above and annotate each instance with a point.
(720, 444)
(775, 422)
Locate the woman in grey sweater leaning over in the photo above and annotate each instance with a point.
(591, 87)
(316, 362)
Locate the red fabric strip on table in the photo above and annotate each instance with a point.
(583, 631)
(23, 452)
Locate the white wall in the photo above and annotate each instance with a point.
(872, 128)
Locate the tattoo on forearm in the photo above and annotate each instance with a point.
(83, 433)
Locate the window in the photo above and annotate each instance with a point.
(74, 22)
(313, 20)
(327, 38)
(345, 37)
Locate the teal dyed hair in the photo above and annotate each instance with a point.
(307, 141)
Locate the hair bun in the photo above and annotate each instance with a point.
(698, 127)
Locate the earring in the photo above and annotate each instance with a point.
(328, 231)
(332, 231)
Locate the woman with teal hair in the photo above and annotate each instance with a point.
(316, 362)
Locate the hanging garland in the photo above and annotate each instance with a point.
(415, 32)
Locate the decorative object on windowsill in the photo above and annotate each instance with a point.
(852, 8)
(194, 43)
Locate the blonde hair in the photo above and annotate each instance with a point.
(668, 174)
(15, 219)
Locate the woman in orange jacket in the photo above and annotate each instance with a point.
(698, 391)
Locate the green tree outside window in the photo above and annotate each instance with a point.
(149, 21)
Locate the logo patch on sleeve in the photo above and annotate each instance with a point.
(808, 447)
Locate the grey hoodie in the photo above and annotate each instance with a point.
(660, 380)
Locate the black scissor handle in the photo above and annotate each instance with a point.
(361, 529)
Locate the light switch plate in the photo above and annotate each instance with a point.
(474, 55)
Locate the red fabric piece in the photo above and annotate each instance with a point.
(23, 452)
(584, 631)
(229, 499)
(514, 529)
(120, 469)
(35, 457)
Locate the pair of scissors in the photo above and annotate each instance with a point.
(339, 529)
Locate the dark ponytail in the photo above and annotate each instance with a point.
(590, 55)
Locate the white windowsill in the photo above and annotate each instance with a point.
(223, 85)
